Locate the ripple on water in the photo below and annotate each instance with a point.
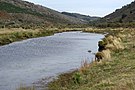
(28, 61)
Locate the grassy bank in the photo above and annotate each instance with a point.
(116, 74)
(16, 34)
(11, 35)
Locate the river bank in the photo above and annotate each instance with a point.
(116, 74)
(27, 62)
(9, 35)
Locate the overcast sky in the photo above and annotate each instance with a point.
(88, 7)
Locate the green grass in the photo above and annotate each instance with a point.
(26, 88)
(117, 74)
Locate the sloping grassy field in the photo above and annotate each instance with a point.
(117, 74)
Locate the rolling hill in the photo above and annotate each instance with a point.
(85, 18)
(123, 15)
(18, 13)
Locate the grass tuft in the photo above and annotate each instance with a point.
(117, 74)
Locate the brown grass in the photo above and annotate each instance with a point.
(117, 74)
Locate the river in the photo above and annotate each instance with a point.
(29, 61)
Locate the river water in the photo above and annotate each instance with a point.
(28, 61)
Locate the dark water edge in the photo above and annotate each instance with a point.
(34, 60)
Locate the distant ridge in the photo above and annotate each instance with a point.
(85, 18)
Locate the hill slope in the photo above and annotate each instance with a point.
(16, 13)
(85, 18)
(123, 15)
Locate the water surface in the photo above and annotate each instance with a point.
(30, 60)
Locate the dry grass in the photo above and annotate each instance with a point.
(26, 88)
(103, 55)
(9, 35)
(117, 74)
(16, 34)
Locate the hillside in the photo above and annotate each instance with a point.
(85, 18)
(18, 13)
(123, 15)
